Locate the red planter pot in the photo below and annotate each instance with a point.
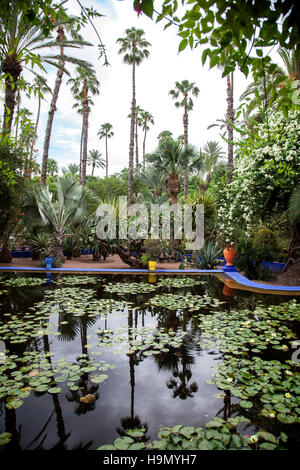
(229, 255)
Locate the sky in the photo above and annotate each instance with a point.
(155, 77)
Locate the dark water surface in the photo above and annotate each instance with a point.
(165, 388)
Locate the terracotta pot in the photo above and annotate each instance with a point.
(228, 291)
(229, 255)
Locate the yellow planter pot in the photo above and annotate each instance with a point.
(152, 265)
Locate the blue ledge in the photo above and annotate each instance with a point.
(237, 277)
(111, 270)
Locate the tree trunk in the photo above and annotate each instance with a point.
(298, 64)
(136, 147)
(127, 258)
(36, 127)
(85, 117)
(11, 66)
(186, 140)
(93, 168)
(18, 110)
(57, 85)
(229, 126)
(80, 156)
(58, 244)
(106, 157)
(144, 147)
(131, 143)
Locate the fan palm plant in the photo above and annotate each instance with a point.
(96, 160)
(134, 47)
(106, 132)
(72, 202)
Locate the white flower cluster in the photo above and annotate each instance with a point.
(268, 165)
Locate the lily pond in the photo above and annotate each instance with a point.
(132, 362)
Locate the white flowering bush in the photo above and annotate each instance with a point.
(268, 169)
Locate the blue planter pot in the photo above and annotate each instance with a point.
(48, 262)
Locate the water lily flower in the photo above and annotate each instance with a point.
(287, 395)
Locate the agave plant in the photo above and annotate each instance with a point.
(207, 258)
(41, 242)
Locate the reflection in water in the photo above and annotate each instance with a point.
(185, 368)
(133, 421)
(228, 291)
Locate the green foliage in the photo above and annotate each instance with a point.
(219, 434)
(249, 259)
(41, 242)
(69, 247)
(153, 249)
(226, 28)
(10, 188)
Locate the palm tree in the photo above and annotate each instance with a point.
(86, 82)
(106, 132)
(182, 94)
(146, 118)
(22, 45)
(210, 155)
(134, 48)
(52, 166)
(170, 158)
(154, 181)
(164, 135)
(72, 169)
(77, 42)
(96, 160)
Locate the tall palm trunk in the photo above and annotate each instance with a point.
(80, 157)
(136, 147)
(298, 63)
(36, 127)
(229, 126)
(11, 66)
(144, 146)
(85, 121)
(18, 110)
(106, 157)
(131, 143)
(57, 85)
(93, 168)
(173, 187)
(186, 141)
